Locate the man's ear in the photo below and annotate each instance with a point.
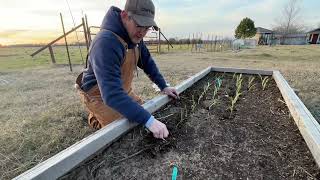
(124, 15)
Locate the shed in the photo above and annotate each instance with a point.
(263, 36)
(314, 36)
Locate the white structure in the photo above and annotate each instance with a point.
(243, 43)
(290, 39)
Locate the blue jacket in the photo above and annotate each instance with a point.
(104, 67)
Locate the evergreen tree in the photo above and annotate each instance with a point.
(245, 29)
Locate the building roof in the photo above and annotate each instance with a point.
(318, 29)
(302, 35)
(263, 30)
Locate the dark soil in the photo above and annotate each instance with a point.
(258, 140)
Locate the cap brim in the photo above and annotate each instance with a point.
(144, 21)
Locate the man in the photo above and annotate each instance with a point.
(115, 53)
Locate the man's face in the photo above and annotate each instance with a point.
(136, 32)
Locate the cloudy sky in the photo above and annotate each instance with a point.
(38, 21)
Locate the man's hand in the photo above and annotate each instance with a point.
(159, 129)
(171, 91)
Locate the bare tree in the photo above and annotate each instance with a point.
(290, 21)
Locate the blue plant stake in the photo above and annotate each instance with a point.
(218, 82)
(174, 173)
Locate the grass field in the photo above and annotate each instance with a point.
(41, 113)
(15, 58)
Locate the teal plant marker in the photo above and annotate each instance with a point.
(174, 173)
(218, 82)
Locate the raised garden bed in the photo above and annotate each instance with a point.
(227, 125)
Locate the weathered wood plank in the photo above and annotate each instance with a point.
(307, 124)
(53, 60)
(243, 71)
(52, 42)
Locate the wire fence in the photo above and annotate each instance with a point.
(211, 43)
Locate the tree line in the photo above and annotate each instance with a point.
(290, 22)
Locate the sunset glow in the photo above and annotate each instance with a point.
(35, 21)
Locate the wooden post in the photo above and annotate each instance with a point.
(189, 41)
(159, 42)
(200, 42)
(169, 44)
(85, 33)
(221, 44)
(196, 42)
(215, 43)
(207, 43)
(65, 39)
(88, 31)
(211, 43)
(53, 60)
(192, 42)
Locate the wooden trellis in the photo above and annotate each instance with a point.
(153, 40)
(87, 36)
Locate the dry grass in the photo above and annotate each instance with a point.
(41, 113)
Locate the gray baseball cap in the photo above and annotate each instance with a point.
(142, 11)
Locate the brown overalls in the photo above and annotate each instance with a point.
(100, 114)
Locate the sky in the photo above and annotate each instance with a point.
(35, 21)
